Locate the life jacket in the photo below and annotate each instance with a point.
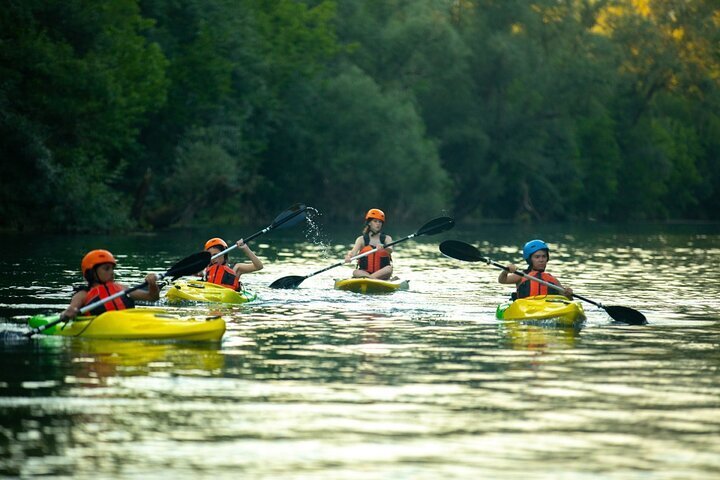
(104, 290)
(375, 261)
(530, 288)
(223, 275)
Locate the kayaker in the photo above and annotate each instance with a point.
(536, 253)
(220, 273)
(379, 264)
(98, 269)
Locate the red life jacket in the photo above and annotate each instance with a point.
(223, 275)
(375, 261)
(530, 288)
(104, 290)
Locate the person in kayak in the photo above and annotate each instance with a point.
(220, 273)
(536, 253)
(379, 264)
(98, 269)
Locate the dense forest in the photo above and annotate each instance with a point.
(124, 114)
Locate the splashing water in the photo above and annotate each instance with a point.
(315, 235)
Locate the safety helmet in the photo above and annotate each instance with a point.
(533, 246)
(215, 242)
(375, 213)
(94, 258)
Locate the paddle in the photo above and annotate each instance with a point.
(186, 266)
(468, 253)
(290, 217)
(432, 227)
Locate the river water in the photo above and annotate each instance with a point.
(418, 384)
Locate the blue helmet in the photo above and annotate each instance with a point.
(533, 246)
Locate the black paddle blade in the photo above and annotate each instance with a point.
(291, 216)
(461, 251)
(626, 315)
(435, 226)
(192, 264)
(291, 281)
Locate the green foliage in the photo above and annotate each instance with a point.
(73, 96)
(529, 111)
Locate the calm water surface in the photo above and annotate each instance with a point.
(423, 384)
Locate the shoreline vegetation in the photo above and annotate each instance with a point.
(144, 115)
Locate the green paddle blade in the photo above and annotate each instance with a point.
(291, 281)
(461, 251)
(626, 315)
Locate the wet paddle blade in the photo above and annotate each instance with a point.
(290, 217)
(626, 315)
(291, 281)
(435, 226)
(192, 264)
(461, 251)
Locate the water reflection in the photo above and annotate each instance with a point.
(319, 383)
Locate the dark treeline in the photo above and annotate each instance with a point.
(151, 113)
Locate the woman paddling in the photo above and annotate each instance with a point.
(536, 253)
(98, 268)
(379, 264)
(220, 273)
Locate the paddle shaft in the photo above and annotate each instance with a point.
(361, 255)
(257, 234)
(91, 306)
(539, 280)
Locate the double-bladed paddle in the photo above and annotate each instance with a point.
(432, 227)
(290, 217)
(468, 253)
(186, 266)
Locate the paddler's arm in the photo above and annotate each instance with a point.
(507, 276)
(568, 292)
(256, 264)
(354, 251)
(151, 294)
(388, 239)
(75, 304)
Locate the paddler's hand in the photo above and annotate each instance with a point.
(70, 313)
(511, 268)
(241, 244)
(151, 279)
(568, 292)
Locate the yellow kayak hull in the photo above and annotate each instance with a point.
(137, 324)
(197, 291)
(371, 285)
(543, 309)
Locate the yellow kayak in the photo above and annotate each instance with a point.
(137, 323)
(543, 309)
(371, 285)
(197, 291)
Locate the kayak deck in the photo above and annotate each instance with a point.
(542, 309)
(137, 323)
(371, 285)
(198, 291)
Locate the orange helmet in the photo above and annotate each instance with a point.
(375, 213)
(215, 242)
(95, 258)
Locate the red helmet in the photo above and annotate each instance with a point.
(215, 242)
(94, 258)
(375, 213)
